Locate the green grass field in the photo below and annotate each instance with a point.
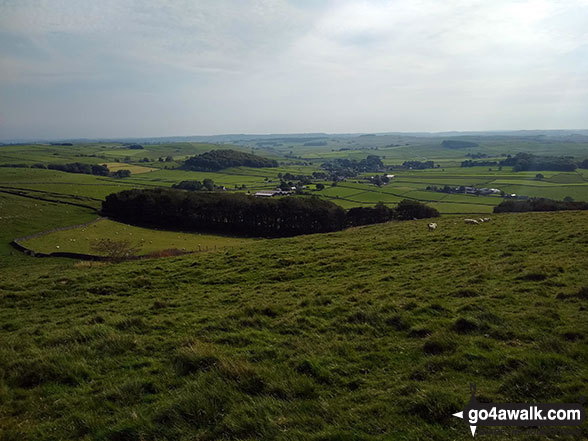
(133, 168)
(21, 216)
(79, 240)
(372, 333)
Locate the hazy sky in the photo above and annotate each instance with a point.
(114, 68)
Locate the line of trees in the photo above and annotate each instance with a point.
(206, 185)
(77, 167)
(405, 210)
(470, 163)
(220, 159)
(538, 204)
(418, 165)
(529, 162)
(237, 213)
(339, 168)
(80, 167)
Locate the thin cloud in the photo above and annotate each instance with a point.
(277, 65)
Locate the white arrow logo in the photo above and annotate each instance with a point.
(472, 428)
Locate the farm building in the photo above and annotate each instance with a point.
(271, 193)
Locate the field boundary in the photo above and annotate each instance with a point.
(20, 193)
(16, 243)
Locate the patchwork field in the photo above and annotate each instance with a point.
(354, 192)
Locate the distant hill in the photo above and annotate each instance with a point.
(220, 159)
(452, 144)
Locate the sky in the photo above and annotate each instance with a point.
(146, 68)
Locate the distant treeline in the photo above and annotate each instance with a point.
(347, 168)
(530, 162)
(405, 210)
(76, 167)
(219, 159)
(237, 213)
(418, 165)
(538, 204)
(79, 167)
(206, 185)
(470, 163)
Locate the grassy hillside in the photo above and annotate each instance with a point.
(367, 334)
(79, 240)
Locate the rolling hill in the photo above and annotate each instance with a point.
(370, 333)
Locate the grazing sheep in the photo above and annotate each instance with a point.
(471, 221)
(432, 226)
(487, 219)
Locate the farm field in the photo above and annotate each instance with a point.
(79, 240)
(412, 184)
(134, 169)
(372, 333)
(20, 216)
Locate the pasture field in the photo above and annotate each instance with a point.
(133, 168)
(20, 216)
(373, 333)
(79, 240)
(96, 153)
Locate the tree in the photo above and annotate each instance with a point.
(320, 186)
(169, 158)
(568, 199)
(189, 185)
(220, 159)
(208, 184)
(409, 209)
(115, 250)
(121, 174)
(539, 176)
